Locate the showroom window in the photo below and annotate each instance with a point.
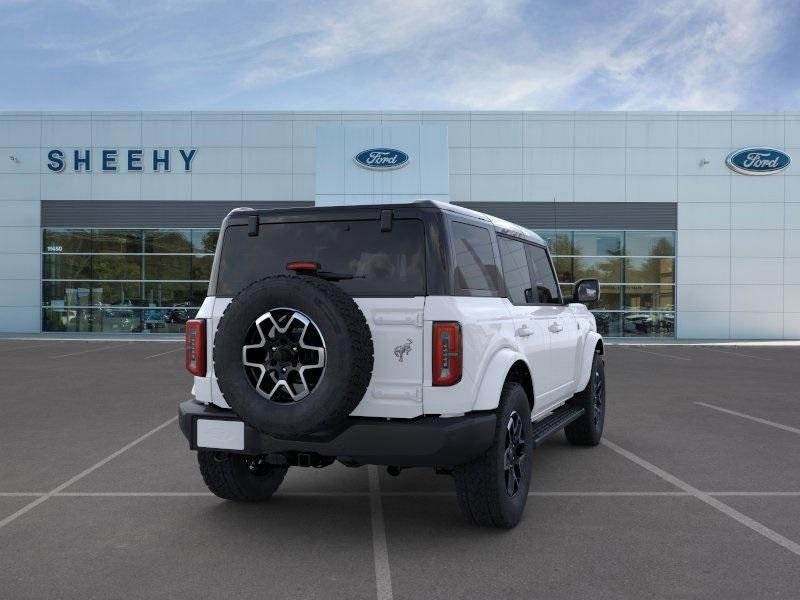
(124, 280)
(636, 270)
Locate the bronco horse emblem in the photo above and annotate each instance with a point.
(403, 349)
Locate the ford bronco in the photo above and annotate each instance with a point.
(405, 335)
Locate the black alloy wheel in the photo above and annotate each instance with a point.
(514, 453)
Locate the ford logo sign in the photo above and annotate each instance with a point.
(758, 161)
(381, 159)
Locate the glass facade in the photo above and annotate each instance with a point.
(124, 280)
(154, 280)
(636, 270)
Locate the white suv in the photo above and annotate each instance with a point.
(404, 335)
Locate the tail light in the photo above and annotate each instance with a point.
(303, 265)
(196, 347)
(447, 353)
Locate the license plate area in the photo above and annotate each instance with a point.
(219, 434)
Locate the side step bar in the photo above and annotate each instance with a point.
(555, 421)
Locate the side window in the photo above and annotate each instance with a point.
(515, 270)
(542, 272)
(475, 265)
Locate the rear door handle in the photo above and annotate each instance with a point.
(555, 327)
(524, 331)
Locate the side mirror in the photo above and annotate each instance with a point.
(529, 295)
(586, 291)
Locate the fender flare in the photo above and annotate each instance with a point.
(495, 373)
(587, 356)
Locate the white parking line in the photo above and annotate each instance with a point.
(756, 494)
(163, 353)
(87, 351)
(30, 506)
(734, 514)
(390, 494)
(734, 353)
(597, 494)
(383, 576)
(607, 494)
(201, 494)
(657, 353)
(751, 418)
(132, 494)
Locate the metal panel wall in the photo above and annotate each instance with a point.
(535, 215)
(133, 213)
(583, 215)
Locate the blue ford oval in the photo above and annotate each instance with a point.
(381, 159)
(758, 161)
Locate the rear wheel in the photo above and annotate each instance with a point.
(493, 489)
(238, 476)
(588, 429)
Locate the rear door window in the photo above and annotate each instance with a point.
(515, 270)
(381, 263)
(476, 269)
(545, 284)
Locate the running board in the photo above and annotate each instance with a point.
(555, 421)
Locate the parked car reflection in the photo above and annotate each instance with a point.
(650, 324)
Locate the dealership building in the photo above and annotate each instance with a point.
(691, 220)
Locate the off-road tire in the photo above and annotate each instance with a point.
(348, 355)
(588, 429)
(481, 484)
(229, 476)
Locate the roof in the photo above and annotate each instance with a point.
(501, 225)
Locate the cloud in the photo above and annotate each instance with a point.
(477, 55)
(323, 39)
(449, 54)
(707, 59)
(684, 56)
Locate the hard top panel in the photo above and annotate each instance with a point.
(372, 211)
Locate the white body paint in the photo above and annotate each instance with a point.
(556, 342)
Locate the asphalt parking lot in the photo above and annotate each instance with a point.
(695, 493)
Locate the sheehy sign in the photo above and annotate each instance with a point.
(111, 161)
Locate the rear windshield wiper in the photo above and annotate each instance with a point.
(331, 276)
(308, 267)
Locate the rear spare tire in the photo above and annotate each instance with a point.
(293, 355)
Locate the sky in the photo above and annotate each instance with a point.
(400, 55)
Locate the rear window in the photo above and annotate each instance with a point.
(475, 267)
(515, 270)
(546, 284)
(382, 263)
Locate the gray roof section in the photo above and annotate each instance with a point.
(501, 225)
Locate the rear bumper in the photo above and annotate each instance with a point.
(426, 441)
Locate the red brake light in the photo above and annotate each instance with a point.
(302, 265)
(447, 354)
(196, 347)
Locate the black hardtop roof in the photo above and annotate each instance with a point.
(367, 210)
(372, 211)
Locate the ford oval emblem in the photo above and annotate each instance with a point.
(381, 159)
(758, 161)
